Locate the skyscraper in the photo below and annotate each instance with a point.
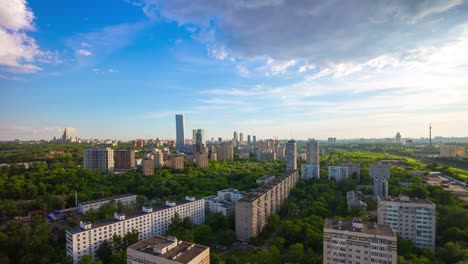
(291, 155)
(313, 152)
(198, 140)
(241, 138)
(180, 128)
(248, 140)
(254, 138)
(235, 139)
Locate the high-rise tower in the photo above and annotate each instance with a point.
(291, 155)
(180, 128)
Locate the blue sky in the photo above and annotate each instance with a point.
(273, 68)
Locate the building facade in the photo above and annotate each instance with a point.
(86, 239)
(309, 171)
(380, 187)
(126, 199)
(313, 151)
(291, 155)
(180, 132)
(266, 156)
(253, 209)
(379, 170)
(162, 250)
(101, 159)
(225, 152)
(354, 169)
(201, 160)
(158, 157)
(124, 159)
(338, 173)
(177, 162)
(224, 202)
(147, 166)
(411, 218)
(355, 242)
(452, 151)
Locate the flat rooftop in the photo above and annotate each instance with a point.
(367, 228)
(401, 199)
(105, 222)
(263, 189)
(106, 199)
(183, 252)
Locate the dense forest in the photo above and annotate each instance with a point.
(293, 235)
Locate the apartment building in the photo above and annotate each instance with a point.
(353, 169)
(177, 162)
(86, 239)
(126, 199)
(147, 166)
(101, 159)
(124, 159)
(291, 155)
(309, 171)
(201, 160)
(379, 169)
(162, 250)
(411, 218)
(313, 151)
(158, 157)
(265, 179)
(266, 156)
(354, 199)
(224, 152)
(253, 209)
(224, 202)
(338, 173)
(380, 187)
(355, 242)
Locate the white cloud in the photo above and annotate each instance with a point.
(19, 52)
(307, 67)
(85, 52)
(279, 67)
(242, 70)
(218, 52)
(434, 7)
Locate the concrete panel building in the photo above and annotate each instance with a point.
(147, 166)
(101, 159)
(309, 171)
(266, 156)
(380, 187)
(379, 170)
(225, 152)
(353, 169)
(201, 160)
(253, 209)
(162, 250)
(291, 155)
(158, 158)
(126, 199)
(224, 202)
(355, 242)
(86, 239)
(411, 218)
(313, 151)
(124, 160)
(338, 173)
(177, 162)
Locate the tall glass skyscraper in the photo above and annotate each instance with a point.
(180, 128)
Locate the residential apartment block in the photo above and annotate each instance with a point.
(124, 159)
(266, 156)
(338, 173)
(313, 151)
(291, 155)
(355, 242)
(309, 171)
(201, 160)
(224, 202)
(253, 209)
(411, 218)
(379, 170)
(224, 152)
(162, 250)
(380, 187)
(147, 166)
(126, 199)
(265, 179)
(86, 239)
(353, 169)
(101, 159)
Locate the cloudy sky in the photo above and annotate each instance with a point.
(271, 68)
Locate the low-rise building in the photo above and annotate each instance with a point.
(162, 250)
(411, 218)
(452, 151)
(224, 201)
(126, 199)
(353, 242)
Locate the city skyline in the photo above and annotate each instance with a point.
(380, 69)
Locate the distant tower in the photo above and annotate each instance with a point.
(66, 136)
(291, 155)
(430, 135)
(180, 138)
(398, 137)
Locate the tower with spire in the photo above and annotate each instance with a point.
(66, 136)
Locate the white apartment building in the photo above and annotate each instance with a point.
(224, 202)
(126, 199)
(379, 170)
(101, 159)
(338, 172)
(309, 171)
(313, 151)
(86, 239)
(411, 218)
(355, 242)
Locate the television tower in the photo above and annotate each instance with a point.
(430, 135)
